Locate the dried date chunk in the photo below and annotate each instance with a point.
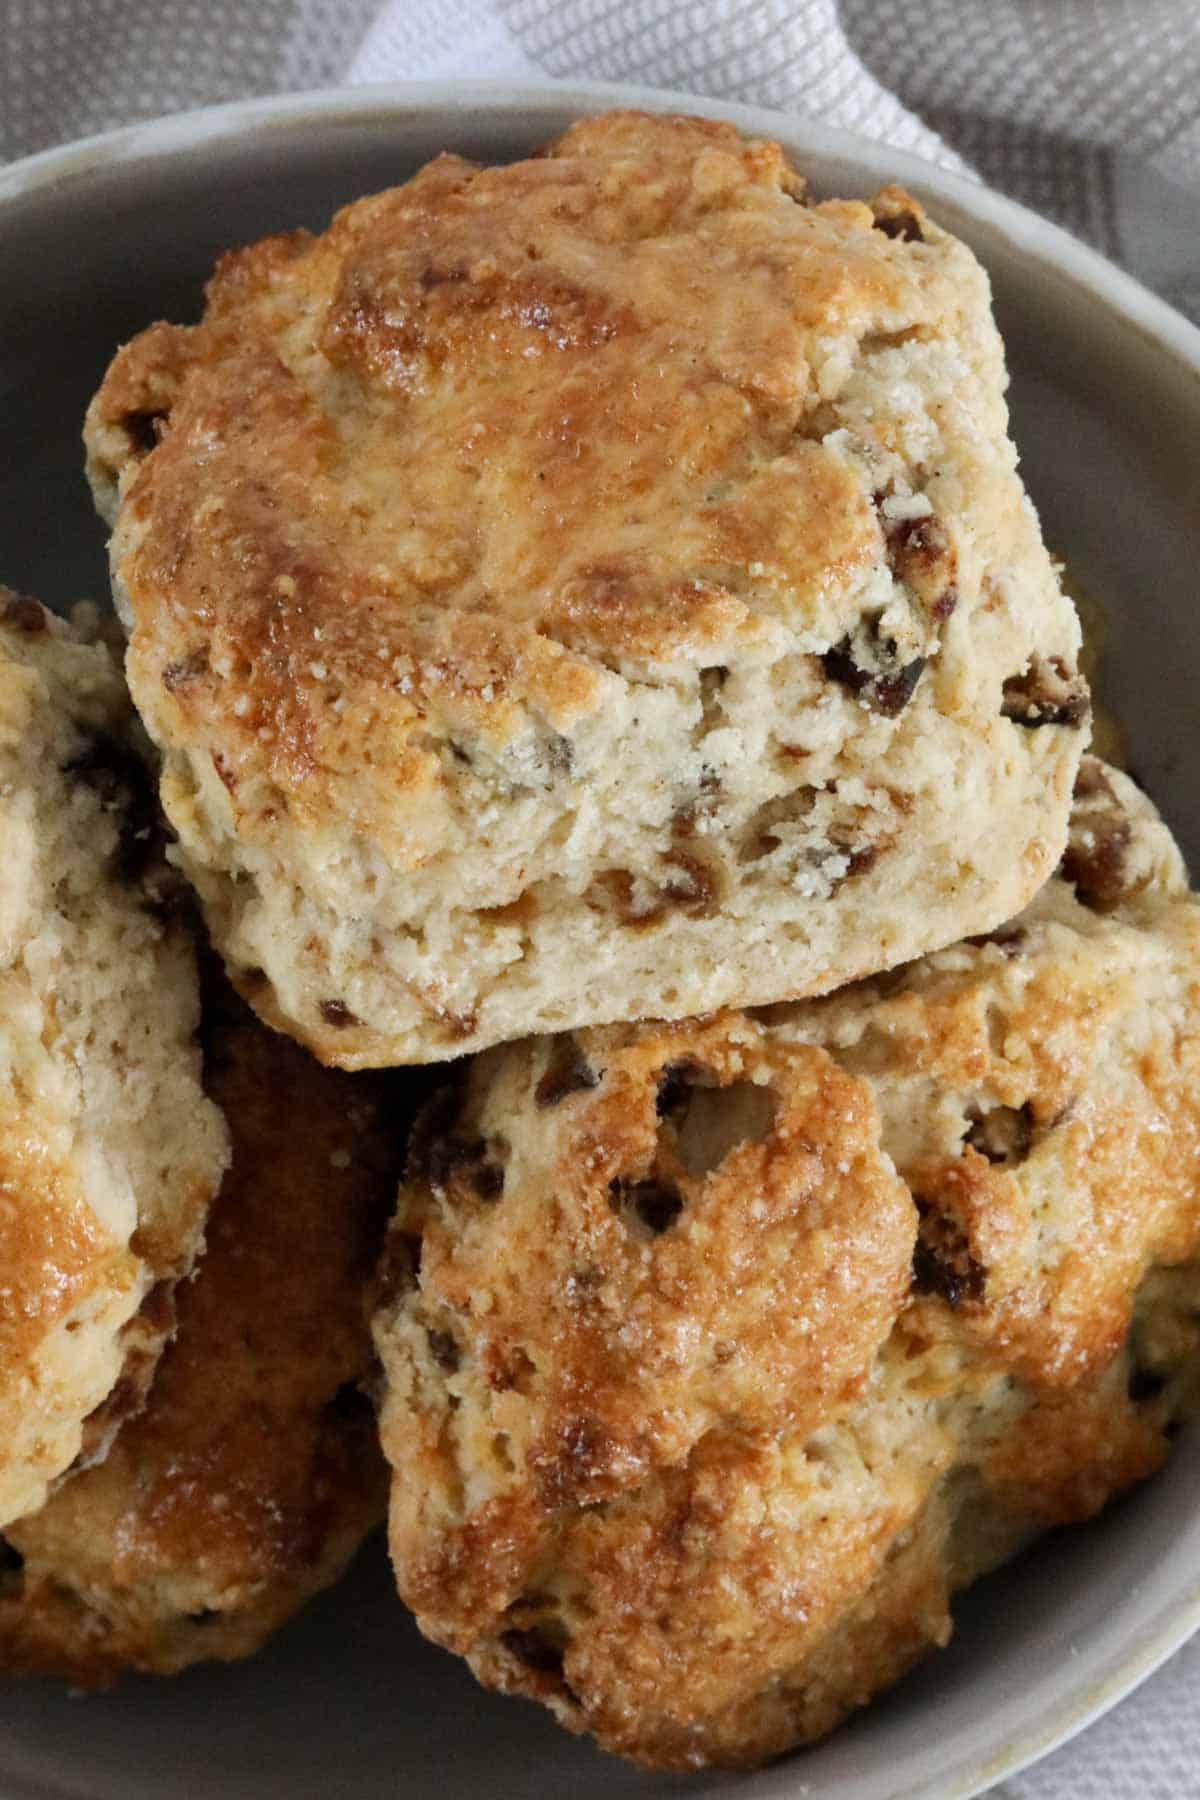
(890, 694)
(840, 666)
(861, 859)
(338, 1014)
(693, 883)
(1095, 860)
(686, 883)
(943, 1265)
(1048, 692)
(920, 554)
(886, 691)
(765, 829)
(1100, 859)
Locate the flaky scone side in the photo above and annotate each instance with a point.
(109, 1151)
(254, 1472)
(588, 589)
(718, 1355)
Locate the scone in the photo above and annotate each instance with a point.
(109, 1152)
(254, 1472)
(717, 1355)
(590, 589)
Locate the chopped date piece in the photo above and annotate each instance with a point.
(1046, 693)
(1095, 861)
(338, 1014)
(942, 1263)
(887, 693)
(890, 694)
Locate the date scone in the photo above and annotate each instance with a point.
(254, 1472)
(109, 1151)
(718, 1355)
(588, 589)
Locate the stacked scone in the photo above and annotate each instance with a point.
(584, 613)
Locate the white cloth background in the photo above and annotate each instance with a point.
(1088, 110)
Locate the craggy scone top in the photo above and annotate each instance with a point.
(109, 1151)
(718, 1355)
(437, 516)
(493, 433)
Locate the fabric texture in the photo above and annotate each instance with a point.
(1087, 110)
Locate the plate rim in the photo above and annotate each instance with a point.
(176, 133)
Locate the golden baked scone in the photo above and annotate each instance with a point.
(588, 589)
(109, 1151)
(718, 1355)
(254, 1472)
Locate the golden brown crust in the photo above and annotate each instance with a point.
(482, 341)
(53, 1249)
(1071, 1056)
(254, 1471)
(704, 1516)
(710, 1177)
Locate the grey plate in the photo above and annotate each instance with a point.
(98, 239)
